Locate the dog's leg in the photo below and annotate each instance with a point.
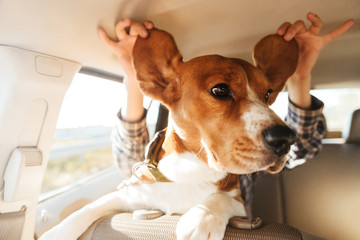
(209, 220)
(76, 224)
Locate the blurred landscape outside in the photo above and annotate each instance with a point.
(76, 154)
(82, 144)
(339, 104)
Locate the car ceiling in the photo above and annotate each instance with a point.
(67, 29)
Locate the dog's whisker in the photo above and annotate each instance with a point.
(227, 179)
(197, 154)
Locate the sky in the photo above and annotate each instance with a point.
(91, 101)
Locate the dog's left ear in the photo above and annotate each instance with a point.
(157, 63)
(278, 59)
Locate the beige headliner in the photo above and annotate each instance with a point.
(67, 28)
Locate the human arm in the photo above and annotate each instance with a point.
(130, 135)
(132, 110)
(305, 111)
(129, 140)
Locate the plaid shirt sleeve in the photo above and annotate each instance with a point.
(129, 140)
(310, 127)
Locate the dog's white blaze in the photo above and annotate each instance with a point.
(258, 116)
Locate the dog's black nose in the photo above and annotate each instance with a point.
(279, 138)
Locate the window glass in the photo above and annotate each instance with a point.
(82, 143)
(339, 104)
(152, 107)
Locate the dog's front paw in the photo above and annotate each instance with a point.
(54, 235)
(58, 233)
(199, 223)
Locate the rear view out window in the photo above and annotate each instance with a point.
(82, 144)
(339, 104)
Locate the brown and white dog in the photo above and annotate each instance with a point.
(220, 125)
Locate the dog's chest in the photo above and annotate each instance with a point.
(188, 168)
(192, 182)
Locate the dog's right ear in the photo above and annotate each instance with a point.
(277, 59)
(156, 61)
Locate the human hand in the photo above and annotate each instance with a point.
(126, 39)
(310, 43)
(132, 109)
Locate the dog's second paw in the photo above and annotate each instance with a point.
(199, 223)
(53, 235)
(60, 232)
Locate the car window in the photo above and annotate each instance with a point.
(82, 141)
(82, 144)
(338, 105)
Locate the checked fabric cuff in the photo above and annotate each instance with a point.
(129, 140)
(310, 127)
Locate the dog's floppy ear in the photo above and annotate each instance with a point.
(156, 60)
(278, 59)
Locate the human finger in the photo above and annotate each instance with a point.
(105, 38)
(297, 27)
(137, 29)
(338, 31)
(148, 24)
(120, 28)
(316, 23)
(283, 28)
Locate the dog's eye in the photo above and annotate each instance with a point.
(221, 91)
(267, 95)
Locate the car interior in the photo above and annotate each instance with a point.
(61, 89)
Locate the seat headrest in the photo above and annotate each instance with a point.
(351, 133)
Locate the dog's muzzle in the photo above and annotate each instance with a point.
(278, 139)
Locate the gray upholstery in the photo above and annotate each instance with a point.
(351, 133)
(123, 227)
(323, 195)
(11, 225)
